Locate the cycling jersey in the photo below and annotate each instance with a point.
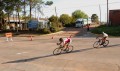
(105, 35)
(67, 40)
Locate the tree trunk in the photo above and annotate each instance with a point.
(19, 20)
(30, 8)
(9, 19)
(25, 24)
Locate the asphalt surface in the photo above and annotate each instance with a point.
(22, 54)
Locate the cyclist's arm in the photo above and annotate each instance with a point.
(59, 43)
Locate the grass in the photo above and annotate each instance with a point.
(29, 32)
(110, 30)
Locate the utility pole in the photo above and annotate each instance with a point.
(107, 14)
(55, 12)
(56, 16)
(100, 13)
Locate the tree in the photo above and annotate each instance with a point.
(1, 13)
(94, 18)
(65, 19)
(79, 14)
(9, 8)
(33, 4)
(18, 9)
(37, 3)
(53, 18)
(2, 5)
(24, 14)
(54, 23)
(49, 3)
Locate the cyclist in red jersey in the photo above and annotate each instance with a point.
(64, 42)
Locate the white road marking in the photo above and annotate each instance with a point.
(22, 53)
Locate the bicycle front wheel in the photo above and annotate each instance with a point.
(57, 51)
(69, 49)
(106, 43)
(96, 44)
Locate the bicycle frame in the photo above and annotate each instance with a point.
(100, 42)
(58, 50)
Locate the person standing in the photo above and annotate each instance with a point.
(88, 27)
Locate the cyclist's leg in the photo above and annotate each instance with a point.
(66, 46)
(103, 40)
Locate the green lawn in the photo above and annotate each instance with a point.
(110, 30)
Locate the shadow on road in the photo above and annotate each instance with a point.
(113, 45)
(34, 58)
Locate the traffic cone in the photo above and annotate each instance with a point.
(52, 37)
(31, 38)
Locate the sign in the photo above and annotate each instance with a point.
(8, 35)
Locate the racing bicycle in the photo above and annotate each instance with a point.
(99, 43)
(61, 49)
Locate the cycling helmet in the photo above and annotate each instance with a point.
(60, 39)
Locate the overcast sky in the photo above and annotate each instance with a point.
(88, 6)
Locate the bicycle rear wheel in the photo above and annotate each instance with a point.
(96, 44)
(69, 49)
(57, 51)
(106, 43)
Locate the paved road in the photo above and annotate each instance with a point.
(25, 55)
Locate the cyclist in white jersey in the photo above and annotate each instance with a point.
(104, 37)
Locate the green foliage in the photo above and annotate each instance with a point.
(79, 14)
(110, 30)
(54, 24)
(94, 18)
(65, 19)
(49, 3)
(2, 5)
(53, 18)
(53, 29)
(45, 31)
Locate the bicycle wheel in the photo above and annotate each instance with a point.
(96, 44)
(69, 49)
(57, 51)
(106, 43)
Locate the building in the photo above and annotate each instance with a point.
(13, 23)
(39, 23)
(114, 17)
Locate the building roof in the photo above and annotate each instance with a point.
(14, 19)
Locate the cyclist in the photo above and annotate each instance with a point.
(64, 42)
(104, 37)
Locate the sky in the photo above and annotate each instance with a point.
(87, 6)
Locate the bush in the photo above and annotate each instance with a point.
(110, 30)
(45, 31)
(54, 29)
